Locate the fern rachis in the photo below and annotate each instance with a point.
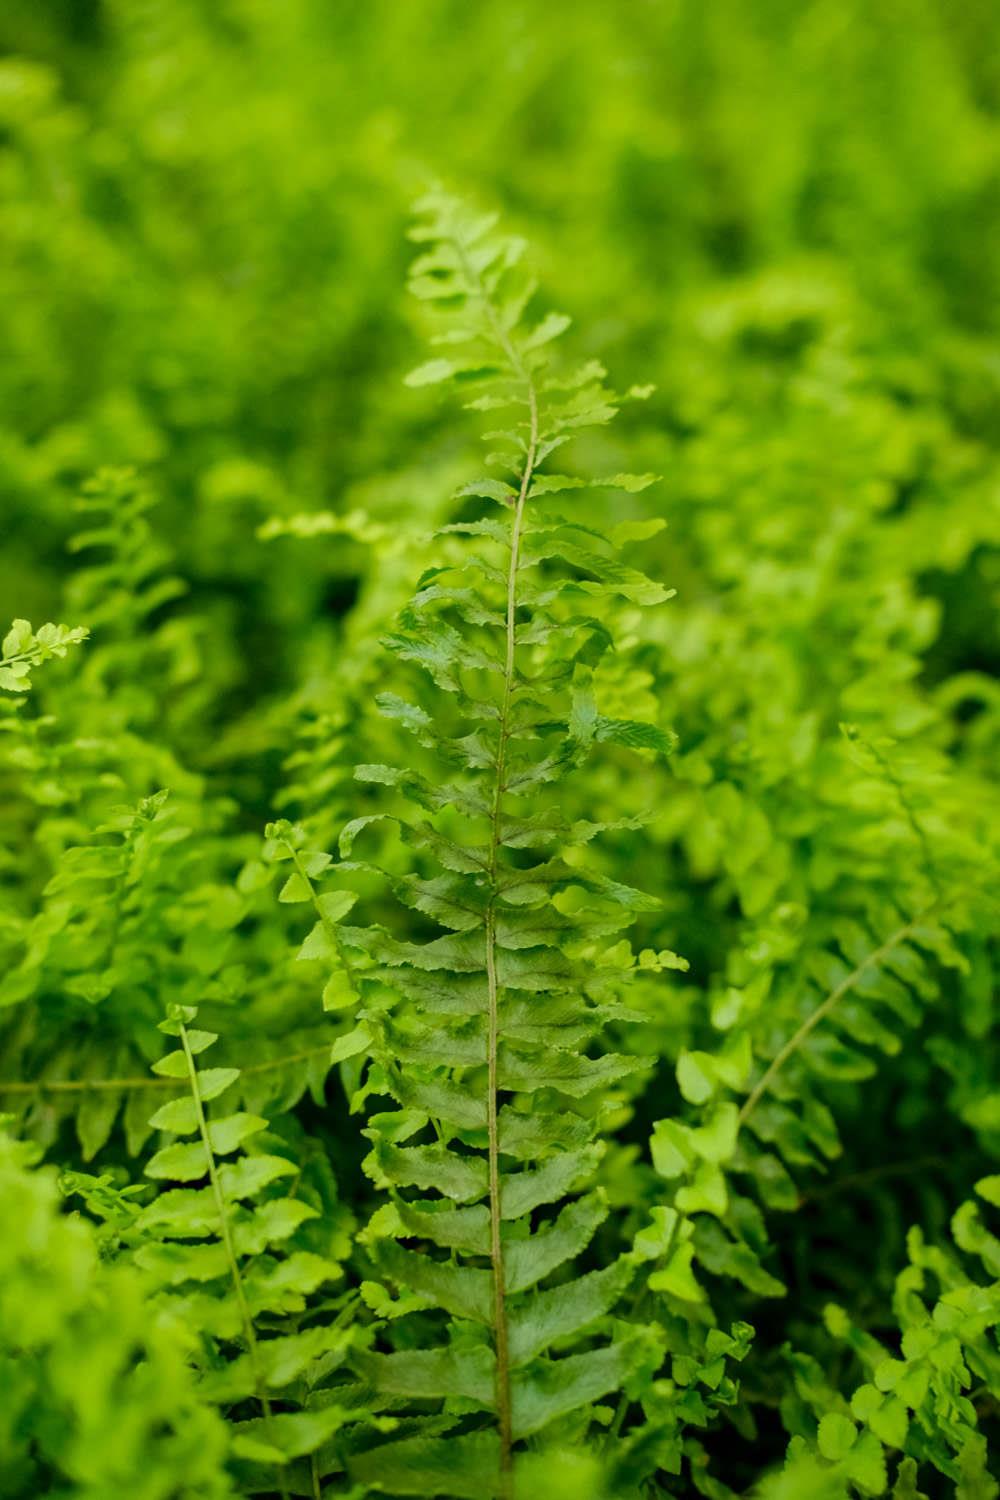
(492, 1043)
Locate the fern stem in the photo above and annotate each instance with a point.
(118, 901)
(889, 1170)
(502, 1352)
(493, 1038)
(825, 1007)
(249, 1334)
(83, 1085)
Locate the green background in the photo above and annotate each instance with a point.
(785, 217)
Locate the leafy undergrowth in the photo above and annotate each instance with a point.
(498, 938)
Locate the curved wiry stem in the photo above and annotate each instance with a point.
(86, 1085)
(825, 1007)
(246, 1317)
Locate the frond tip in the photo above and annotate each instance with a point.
(23, 649)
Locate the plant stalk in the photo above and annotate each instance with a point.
(249, 1334)
(493, 1038)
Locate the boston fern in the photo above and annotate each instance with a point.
(454, 1179)
(487, 1041)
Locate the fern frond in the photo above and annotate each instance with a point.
(488, 1037)
(119, 593)
(23, 649)
(918, 1399)
(226, 1244)
(83, 1354)
(815, 1006)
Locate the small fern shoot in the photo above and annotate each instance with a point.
(225, 1256)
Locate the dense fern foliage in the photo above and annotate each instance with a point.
(498, 867)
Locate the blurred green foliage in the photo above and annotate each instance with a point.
(785, 216)
(203, 250)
